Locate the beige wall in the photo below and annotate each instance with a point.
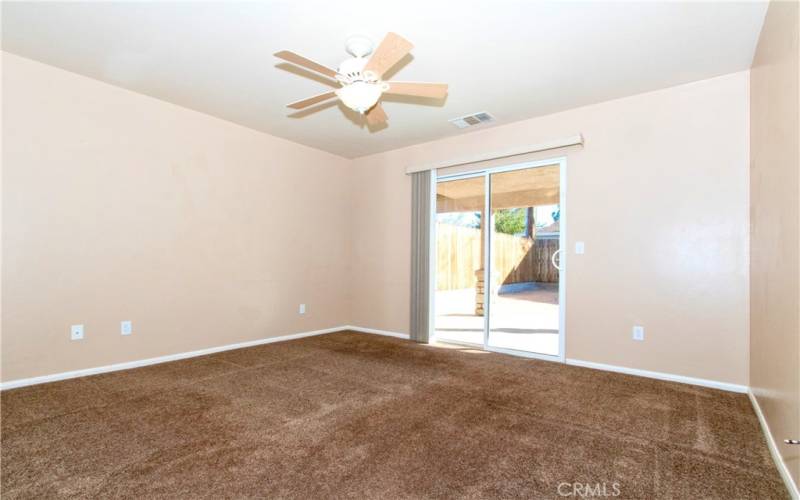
(659, 194)
(775, 237)
(117, 206)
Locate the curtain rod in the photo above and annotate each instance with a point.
(574, 140)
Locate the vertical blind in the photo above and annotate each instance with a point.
(420, 255)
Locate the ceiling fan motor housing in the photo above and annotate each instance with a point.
(351, 70)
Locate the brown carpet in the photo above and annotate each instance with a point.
(351, 415)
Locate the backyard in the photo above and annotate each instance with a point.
(524, 309)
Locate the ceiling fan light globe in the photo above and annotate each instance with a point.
(360, 96)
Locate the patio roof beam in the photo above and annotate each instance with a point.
(516, 199)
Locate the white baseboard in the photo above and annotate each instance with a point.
(11, 384)
(773, 449)
(725, 386)
(376, 332)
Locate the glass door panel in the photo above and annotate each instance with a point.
(460, 240)
(523, 284)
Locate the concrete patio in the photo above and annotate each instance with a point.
(524, 317)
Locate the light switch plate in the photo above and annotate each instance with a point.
(638, 333)
(125, 328)
(579, 247)
(302, 309)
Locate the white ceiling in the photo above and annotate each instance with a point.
(515, 60)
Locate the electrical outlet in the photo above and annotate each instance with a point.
(76, 332)
(126, 328)
(638, 333)
(302, 309)
(580, 248)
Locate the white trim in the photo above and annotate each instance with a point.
(460, 343)
(12, 384)
(524, 354)
(714, 384)
(563, 223)
(773, 449)
(376, 332)
(487, 227)
(461, 175)
(575, 140)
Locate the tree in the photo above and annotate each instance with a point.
(510, 221)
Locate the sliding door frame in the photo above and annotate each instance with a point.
(486, 173)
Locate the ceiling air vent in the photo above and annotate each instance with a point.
(470, 120)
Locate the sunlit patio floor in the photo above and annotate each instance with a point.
(524, 317)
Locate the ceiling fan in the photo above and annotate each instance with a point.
(361, 78)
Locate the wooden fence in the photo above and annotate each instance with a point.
(517, 259)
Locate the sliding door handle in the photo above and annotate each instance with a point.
(553, 259)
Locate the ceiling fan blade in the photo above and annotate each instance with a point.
(376, 115)
(299, 60)
(419, 89)
(304, 103)
(389, 52)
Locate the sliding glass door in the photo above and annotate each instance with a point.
(525, 244)
(499, 270)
